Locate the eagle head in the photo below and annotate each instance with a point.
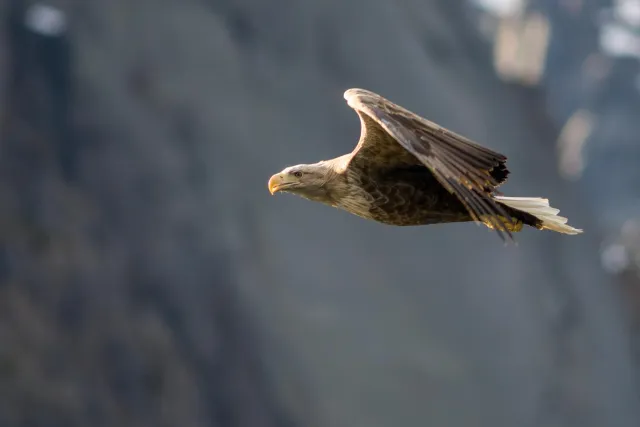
(309, 181)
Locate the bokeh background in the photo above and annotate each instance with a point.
(147, 277)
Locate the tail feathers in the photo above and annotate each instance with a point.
(540, 209)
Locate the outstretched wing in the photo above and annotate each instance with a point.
(464, 168)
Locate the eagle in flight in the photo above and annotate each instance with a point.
(406, 170)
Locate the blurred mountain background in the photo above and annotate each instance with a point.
(147, 277)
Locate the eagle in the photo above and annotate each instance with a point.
(407, 171)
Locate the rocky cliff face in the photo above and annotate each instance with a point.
(148, 278)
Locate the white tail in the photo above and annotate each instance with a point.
(540, 208)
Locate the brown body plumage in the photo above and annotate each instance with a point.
(406, 170)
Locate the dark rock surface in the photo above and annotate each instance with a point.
(148, 278)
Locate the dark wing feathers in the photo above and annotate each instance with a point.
(468, 170)
(376, 143)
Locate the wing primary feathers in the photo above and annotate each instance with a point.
(472, 164)
(470, 190)
(479, 206)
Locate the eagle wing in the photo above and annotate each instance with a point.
(468, 170)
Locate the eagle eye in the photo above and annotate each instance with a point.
(297, 174)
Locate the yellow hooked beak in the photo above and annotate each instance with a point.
(275, 182)
(281, 181)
